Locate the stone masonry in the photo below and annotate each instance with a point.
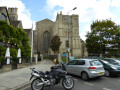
(47, 29)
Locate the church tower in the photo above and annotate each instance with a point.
(13, 14)
(67, 28)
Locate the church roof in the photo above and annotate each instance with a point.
(45, 20)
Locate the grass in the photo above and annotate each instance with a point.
(46, 58)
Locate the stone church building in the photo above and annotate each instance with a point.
(64, 25)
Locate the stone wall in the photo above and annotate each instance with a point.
(7, 68)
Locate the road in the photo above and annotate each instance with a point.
(103, 83)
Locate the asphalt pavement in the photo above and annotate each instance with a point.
(103, 83)
(20, 77)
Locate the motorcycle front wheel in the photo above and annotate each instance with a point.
(35, 86)
(68, 83)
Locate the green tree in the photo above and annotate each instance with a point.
(104, 37)
(55, 44)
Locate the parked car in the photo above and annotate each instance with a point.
(112, 61)
(86, 68)
(110, 68)
(117, 60)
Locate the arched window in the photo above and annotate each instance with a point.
(46, 41)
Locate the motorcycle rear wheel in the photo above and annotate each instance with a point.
(34, 85)
(68, 83)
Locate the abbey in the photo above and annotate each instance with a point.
(65, 27)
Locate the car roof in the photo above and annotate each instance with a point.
(109, 58)
(94, 57)
(87, 59)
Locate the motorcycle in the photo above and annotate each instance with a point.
(50, 78)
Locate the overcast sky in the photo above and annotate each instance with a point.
(88, 10)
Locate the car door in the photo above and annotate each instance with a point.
(70, 67)
(80, 67)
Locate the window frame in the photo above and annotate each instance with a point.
(3, 16)
(73, 63)
(82, 63)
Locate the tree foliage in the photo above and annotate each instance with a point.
(17, 38)
(55, 44)
(103, 38)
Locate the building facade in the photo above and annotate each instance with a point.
(65, 26)
(10, 15)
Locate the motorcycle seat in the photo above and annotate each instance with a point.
(54, 67)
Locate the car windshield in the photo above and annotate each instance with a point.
(114, 62)
(95, 63)
(106, 62)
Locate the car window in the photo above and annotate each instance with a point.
(81, 62)
(94, 63)
(115, 63)
(112, 62)
(73, 62)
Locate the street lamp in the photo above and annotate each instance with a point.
(31, 46)
(69, 30)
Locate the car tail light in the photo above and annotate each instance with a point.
(92, 67)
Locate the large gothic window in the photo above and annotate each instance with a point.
(46, 41)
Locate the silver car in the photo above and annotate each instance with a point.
(86, 68)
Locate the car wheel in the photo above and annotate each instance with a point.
(84, 76)
(107, 73)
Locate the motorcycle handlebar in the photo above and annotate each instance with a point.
(33, 69)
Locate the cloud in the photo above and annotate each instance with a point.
(23, 13)
(115, 3)
(84, 31)
(88, 11)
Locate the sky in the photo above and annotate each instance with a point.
(31, 11)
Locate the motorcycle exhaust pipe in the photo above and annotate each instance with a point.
(45, 82)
